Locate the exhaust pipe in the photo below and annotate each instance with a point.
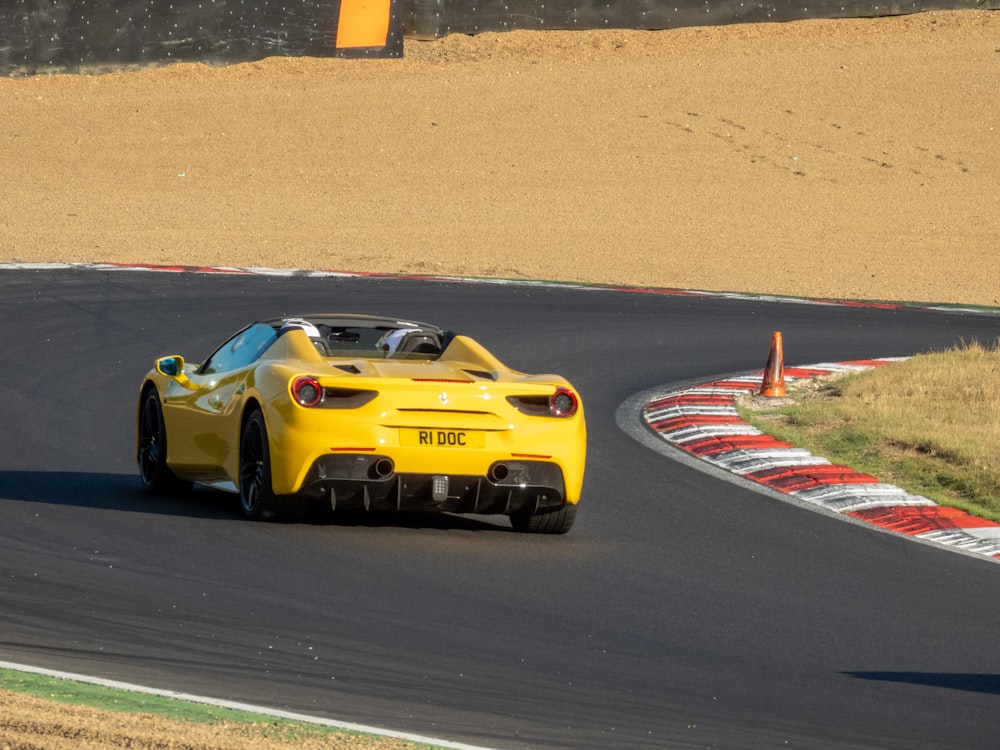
(498, 473)
(382, 469)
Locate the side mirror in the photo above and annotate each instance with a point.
(170, 366)
(173, 367)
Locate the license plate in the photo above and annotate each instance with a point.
(431, 438)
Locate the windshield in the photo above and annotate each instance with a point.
(241, 350)
(367, 337)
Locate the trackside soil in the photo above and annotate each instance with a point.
(851, 158)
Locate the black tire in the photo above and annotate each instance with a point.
(552, 522)
(156, 476)
(257, 499)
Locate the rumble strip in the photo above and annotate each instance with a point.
(702, 421)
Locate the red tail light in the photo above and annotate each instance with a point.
(563, 403)
(307, 391)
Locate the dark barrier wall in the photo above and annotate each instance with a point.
(93, 35)
(436, 18)
(42, 35)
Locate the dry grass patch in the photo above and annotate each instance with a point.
(930, 424)
(39, 712)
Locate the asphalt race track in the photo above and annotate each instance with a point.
(681, 611)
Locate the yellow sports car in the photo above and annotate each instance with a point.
(365, 412)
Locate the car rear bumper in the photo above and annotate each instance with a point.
(371, 482)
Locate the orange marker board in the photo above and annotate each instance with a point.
(363, 23)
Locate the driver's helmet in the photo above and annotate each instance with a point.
(390, 341)
(290, 323)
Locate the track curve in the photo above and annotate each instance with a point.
(680, 611)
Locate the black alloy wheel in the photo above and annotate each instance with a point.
(156, 476)
(256, 496)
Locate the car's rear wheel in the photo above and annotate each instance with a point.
(256, 496)
(156, 476)
(557, 521)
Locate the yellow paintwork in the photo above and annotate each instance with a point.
(203, 415)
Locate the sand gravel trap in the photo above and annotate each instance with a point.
(851, 158)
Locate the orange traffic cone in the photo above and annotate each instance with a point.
(773, 384)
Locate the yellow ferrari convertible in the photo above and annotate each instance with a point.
(358, 411)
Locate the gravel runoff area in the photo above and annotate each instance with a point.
(850, 159)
